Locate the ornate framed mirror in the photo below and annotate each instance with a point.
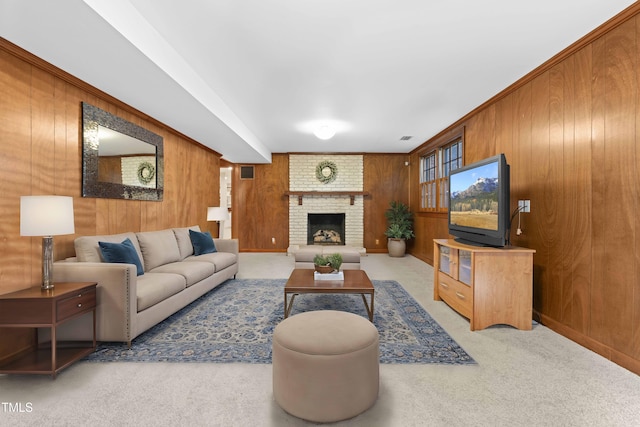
(120, 160)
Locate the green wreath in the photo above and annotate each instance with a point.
(146, 172)
(326, 171)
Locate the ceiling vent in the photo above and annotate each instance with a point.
(405, 138)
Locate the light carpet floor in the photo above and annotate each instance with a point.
(522, 378)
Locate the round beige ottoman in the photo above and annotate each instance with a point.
(325, 365)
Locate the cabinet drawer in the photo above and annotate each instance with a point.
(84, 300)
(456, 294)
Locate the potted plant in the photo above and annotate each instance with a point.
(400, 228)
(327, 263)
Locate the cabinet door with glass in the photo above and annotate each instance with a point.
(455, 263)
(465, 259)
(447, 260)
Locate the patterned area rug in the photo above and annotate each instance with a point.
(235, 321)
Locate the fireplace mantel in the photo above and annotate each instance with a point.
(352, 194)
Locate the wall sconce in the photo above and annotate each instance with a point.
(46, 216)
(217, 213)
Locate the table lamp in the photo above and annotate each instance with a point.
(217, 213)
(46, 216)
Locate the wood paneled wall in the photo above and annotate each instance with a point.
(570, 131)
(41, 153)
(260, 208)
(261, 211)
(386, 178)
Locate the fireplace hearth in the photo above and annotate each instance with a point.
(326, 229)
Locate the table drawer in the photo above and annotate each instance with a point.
(25, 312)
(456, 294)
(84, 300)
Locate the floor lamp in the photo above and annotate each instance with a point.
(46, 216)
(218, 213)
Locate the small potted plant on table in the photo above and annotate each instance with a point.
(327, 263)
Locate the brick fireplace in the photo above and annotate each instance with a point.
(302, 179)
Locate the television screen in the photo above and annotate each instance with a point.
(474, 197)
(479, 202)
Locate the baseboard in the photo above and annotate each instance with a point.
(603, 350)
(377, 251)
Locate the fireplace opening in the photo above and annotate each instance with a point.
(325, 229)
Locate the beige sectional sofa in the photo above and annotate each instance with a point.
(129, 304)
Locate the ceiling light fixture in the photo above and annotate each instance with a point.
(324, 131)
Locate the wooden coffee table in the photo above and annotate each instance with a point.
(302, 281)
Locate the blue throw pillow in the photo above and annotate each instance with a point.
(202, 242)
(123, 253)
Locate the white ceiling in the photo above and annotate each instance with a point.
(248, 78)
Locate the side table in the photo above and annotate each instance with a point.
(36, 308)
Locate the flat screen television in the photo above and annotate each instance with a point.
(479, 211)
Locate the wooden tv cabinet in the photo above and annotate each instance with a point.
(489, 286)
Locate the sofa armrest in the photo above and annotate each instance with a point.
(116, 295)
(227, 245)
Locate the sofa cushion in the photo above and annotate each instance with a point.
(88, 250)
(220, 260)
(158, 248)
(123, 253)
(202, 242)
(306, 254)
(349, 256)
(193, 272)
(184, 241)
(156, 287)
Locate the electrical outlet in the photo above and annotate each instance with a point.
(524, 206)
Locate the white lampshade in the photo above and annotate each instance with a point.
(46, 215)
(217, 213)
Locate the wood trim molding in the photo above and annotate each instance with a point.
(612, 23)
(603, 350)
(451, 134)
(40, 63)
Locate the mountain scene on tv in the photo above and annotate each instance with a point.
(477, 205)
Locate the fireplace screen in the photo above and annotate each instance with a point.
(325, 229)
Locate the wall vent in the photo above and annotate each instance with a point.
(406, 138)
(246, 172)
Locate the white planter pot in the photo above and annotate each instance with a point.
(396, 247)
